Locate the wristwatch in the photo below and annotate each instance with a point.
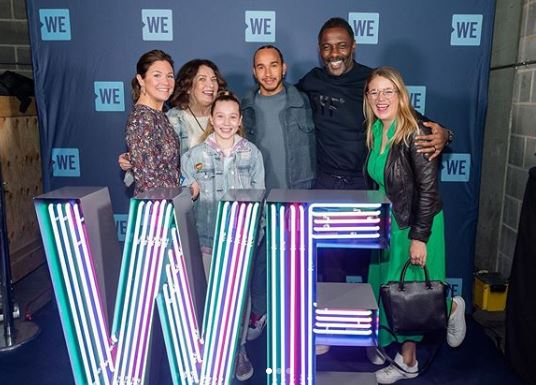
(450, 137)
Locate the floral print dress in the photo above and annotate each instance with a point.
(154, 149)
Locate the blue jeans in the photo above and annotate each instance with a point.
(258, 280)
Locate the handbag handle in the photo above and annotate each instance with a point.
(403, 276)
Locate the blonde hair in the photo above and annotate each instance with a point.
(406, 119)
(223, 97)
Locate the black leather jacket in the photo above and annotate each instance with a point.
(411, 184)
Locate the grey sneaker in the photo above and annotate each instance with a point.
(457, 328)
(391, 374)
(243, 369)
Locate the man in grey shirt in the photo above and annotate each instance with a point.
(277, 118)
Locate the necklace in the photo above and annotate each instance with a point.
(195, 117)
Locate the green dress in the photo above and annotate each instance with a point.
(387, 266)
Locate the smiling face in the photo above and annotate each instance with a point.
(157, 84)
(204, 87)
(337, 50)
(225, 119)
(269, 71)
(382, 96)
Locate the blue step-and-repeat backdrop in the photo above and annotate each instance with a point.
(85, 52)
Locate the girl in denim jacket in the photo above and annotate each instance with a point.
(225, 160)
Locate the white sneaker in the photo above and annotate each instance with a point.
(321, 349)
(375, 356)
(456, 328)
(391, 374)
(255, 328)
(243, 369)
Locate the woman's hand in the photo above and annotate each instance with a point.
(434, 143)
(417, 252)
(124, 161)
(194, 190)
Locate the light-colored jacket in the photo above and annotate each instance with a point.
(205, 163)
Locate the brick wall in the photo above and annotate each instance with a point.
(14, 41)
(522, 148)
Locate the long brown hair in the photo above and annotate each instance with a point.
(185, 80)
(406, 119)
(226, 97)
(144, 62)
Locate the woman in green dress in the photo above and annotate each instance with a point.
(410, 180)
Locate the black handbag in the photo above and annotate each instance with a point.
(416, 307)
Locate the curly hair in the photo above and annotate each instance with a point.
(185, 80)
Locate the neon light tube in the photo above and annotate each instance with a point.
(178, 351)
(126, 269)
(187, 362)
(340, 319)
(187, 345)
(238, 292)
(135, 348)
(302, 276)
(98, 297)
(343, 312)
(293, 257)
(345, 221)
(344, 332)
(273, 320)
(76, 322)
(73, 266)
(346, 228)
(334, 325)
(89, 296)
(130, 293)
(213, 326)
(157, 258)
(342, 205)
(346, 236)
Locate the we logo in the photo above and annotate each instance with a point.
(65, 162)
(55, 24)
(260, 26)
(456, 168)
(157, 24)
(417, 96)
(366, 27)
(109, 96)
(466, 30)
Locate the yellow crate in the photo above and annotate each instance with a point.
(489, 292)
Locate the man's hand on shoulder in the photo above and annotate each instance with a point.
(434, 143)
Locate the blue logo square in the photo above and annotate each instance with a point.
(366, 27)
(55, 24)
(121, 221)
(109, 96)
(466, 30)
(260, 26)
(157, 24)
(456, 285)
(417, 97)
(456, 167)
(65, 162)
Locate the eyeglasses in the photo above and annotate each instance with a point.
(388, 93)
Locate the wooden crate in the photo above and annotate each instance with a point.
(21, 169)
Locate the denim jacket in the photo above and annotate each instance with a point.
(299, 135)
(187, 137)
(204, 163)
